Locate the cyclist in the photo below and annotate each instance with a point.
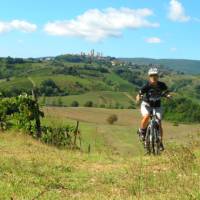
(151, 95)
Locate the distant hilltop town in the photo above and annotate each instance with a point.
(90, 54)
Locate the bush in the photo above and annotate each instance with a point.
(175, 124)
(89, 104)
(60, 102)
(49, 88)
(22, 111)
(117, 105)
(61, 137)
(112, 119)
(102, 106)
(182, 110)
(75, 104)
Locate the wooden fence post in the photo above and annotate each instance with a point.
(76, 133)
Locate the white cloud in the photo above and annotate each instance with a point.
(95, 25)
(177, 12)
(153, 40)
(20, 25)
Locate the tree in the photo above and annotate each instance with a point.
(60, 102)
(49, 88)
(88, 104)
(74, 104)
(112, 119)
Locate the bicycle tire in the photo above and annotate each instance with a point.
(153, 140)
(156, 142)
(147, 141)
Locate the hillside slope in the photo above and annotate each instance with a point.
(30, 170)
(110, 164)
(104, 81)
(182, 65)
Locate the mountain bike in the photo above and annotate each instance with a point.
(153, 136)
(153, 140)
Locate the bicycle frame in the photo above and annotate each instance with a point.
(154, 118)
(153, 137)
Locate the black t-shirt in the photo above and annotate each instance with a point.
(153, 93)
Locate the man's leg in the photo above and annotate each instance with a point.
(143, 126)
(145, 120)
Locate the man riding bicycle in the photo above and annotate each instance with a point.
(151, 95)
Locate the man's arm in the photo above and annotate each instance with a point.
(166, 91)
(138, 98)
(141, 93)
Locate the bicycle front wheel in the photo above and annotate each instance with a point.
(148, 137)
(156, 142)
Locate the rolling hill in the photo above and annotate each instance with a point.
(107, 82)
(182, 65)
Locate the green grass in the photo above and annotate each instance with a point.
(106, 98)
(16, 83)
(115, 168)
(119, 138)
(31, 170)
(119, 83)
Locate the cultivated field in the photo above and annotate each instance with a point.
(100, 98)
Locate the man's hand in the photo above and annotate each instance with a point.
(138, 98)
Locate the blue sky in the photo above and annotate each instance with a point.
(122, 28)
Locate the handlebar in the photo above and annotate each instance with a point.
(165, 95)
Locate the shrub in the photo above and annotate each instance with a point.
(75, 104)
(102, 106)
(112, 119)
(175, 124)
(182, 110)
(49, 88)
(61, 136)
(89, 104)
(23, 111)
(117, 105)
(60, 102)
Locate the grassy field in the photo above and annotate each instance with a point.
(115, 168)
(101, 98)
(120, 137)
